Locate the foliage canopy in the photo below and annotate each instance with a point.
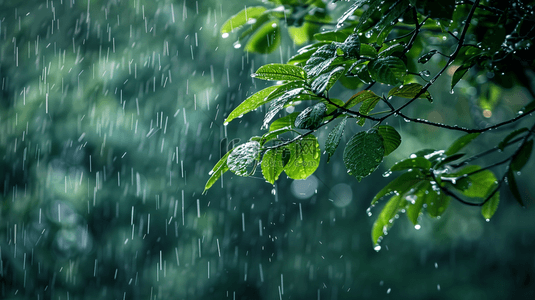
(389, 43)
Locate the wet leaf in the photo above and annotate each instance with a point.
(242, 18)
(364, 153)
(489, 208)
(349, 12)
(426, 57)
(279, 103)
(266, 39)
(367, 51)
(437, 202)
(321, 59)
(510, 137)
(459, 73)
(360, 97)
(324, 82)
(217, 171)
(333, 36)
(400, 185)
(280, 72)
(388, 70)
(386, 217)
(351, 47)
(334, 137)
(410, 91)
(253, 102)
(272, 164)
(461, 142)
(391, 138)
(243, 156)
(312, 117)
(284, 122)
(414, 209)
(304, 158)
(479, 184)
(513, 187)
(412, 163)
(522, 157)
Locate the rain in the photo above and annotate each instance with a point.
(112, 116)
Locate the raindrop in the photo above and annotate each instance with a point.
(417, 226)
(377, 248)
(225, 35)
(387, 173)
(451, 92)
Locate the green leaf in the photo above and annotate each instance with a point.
(304, 158)
(410, 91)
(400, 185)
(426, 57)
(447, 160)
(489, 208)
(388, 70)
(511, 136)
(321, 59)
(513, 187)
(325, 81)
(253, 102)
(362, 73)
(217, 171)
(274, 134)
(364, 153)
(461, 142)
(434, 156)
(389, 19)
(333, 36)
(280, 72)
(351, 47)
(479, 184)
(349, 12)
(334, 137)
(279, 103)
(272, 164)
(522, 156)
(366, 107)
(417, 200)
(459, 73)
(305, 53)
(242, 18)
(373, 6)
(386, 217)
(368, 51)
(412, 163)
(391, 138)
(284, 122)
(266, 39)
(360, 97)
(242, 156)
(528, 108)
(391, 50)
(312, 117)
(436, 201)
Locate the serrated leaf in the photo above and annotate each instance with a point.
(410, 91)
(522, 156)
(426, 57)
(489, 208)
(417, 201)
(391, 50)
(280, 72)
(284, 122)
(278, 104)
(311, 117)
(511, 136)
(400, 185)
(364, 153)
(437, 202)
(360, 97)
(389, 18)
(351, 46)
(386, 217)
(325, 81)
(242, 18)
(265, 40)
(321, 59)
(461, 142)
(304, 158)
(411, 163)
(388, 70)
(253, 102)
(513, 187)
(243, 156)
(334, 137)
(272, 164)
(391, 138)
